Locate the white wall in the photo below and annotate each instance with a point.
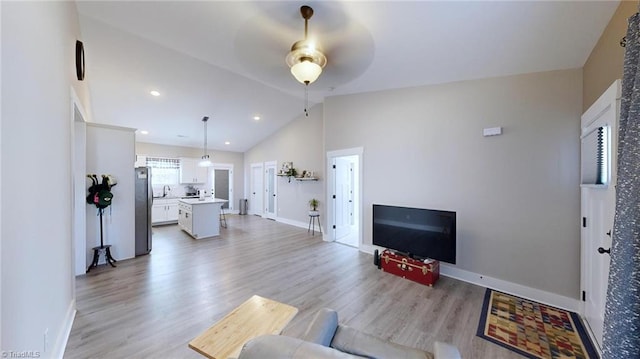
(111, 150)
(299, 142)
(79, 158)
(516, 195)
(235, 158)
(38, 46)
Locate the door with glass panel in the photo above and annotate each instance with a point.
(270, 200)
(599, 148)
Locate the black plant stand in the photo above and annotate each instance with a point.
(102, 248)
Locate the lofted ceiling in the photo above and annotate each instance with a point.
(225, 59)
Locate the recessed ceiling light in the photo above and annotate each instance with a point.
(227, 142)
(154, 93)
(256, 118)
(144, 132)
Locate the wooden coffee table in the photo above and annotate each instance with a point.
(257, 316)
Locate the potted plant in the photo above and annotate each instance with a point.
(313, 203)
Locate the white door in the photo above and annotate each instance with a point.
(257, 189)
(270, 200)
(598, 179)
(342, 204)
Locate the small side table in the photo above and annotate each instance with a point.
(107, 256)
(313, 215)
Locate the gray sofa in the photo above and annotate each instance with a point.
(326, 339)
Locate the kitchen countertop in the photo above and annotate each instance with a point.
(175, 197)
(207, 200)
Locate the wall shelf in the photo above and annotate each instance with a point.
(307, 179)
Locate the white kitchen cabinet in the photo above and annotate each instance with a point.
(185, 217)
(141, 161)
(190, 172)
(164, 211)
(200, 219)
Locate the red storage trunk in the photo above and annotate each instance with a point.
(412, 269)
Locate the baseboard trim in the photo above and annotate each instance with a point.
(291, 222)
(520, 290)
(302, 225)
(296, 223)
(57, 351)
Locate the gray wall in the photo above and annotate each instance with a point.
(299, 142)
(110, 150)
(516, 195)
(38, 47)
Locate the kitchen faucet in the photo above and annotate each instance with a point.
(164, 190)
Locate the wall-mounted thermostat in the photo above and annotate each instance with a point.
(493, 131)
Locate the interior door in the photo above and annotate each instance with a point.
(598, 179)
(221, 182)
(270, 199)
(221, 185)
(256, 190)
(342, 202)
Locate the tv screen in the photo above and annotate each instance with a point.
(419, 233)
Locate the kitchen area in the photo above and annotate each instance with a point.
(172, 191)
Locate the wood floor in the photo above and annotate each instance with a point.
(153, 305)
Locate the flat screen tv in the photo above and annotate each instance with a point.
(417, 232)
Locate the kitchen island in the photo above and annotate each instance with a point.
(200, 218)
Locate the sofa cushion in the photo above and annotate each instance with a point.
(283, 347)
(444, 350)
(322, 327)
(352, 341)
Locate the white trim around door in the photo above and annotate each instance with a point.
(227, 167)
(331, 191)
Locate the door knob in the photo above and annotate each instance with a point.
(603, 251)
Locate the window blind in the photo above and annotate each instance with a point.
(595, 156)
(164, 171)
(160, 162)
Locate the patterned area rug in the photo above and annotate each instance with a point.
(532, 329)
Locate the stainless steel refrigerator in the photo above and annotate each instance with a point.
(144, 201)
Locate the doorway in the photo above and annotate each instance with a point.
(270, 198)
(344, 194)
(256, 189)
(598, 146)
(222, 183)
(78, 174)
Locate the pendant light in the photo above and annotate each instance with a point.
(205, 162)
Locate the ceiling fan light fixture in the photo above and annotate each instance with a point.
(306, 71)
(305, 59)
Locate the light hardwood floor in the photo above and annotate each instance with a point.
(153, 305)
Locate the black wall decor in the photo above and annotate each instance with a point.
(79, 60)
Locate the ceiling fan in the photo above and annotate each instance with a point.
(306, 59)
(347, 47)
